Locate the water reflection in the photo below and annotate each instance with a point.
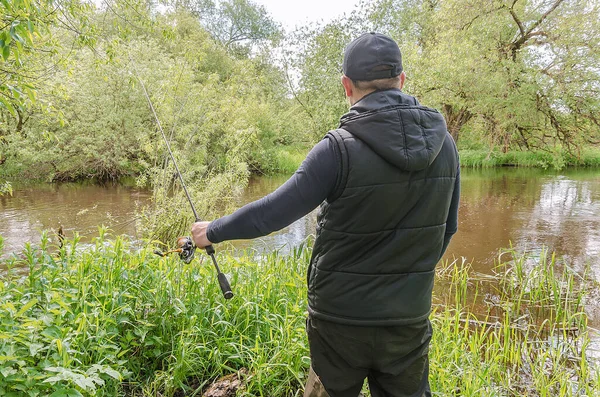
(79, 208)
(566, 217)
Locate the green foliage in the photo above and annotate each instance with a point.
(5, 188)
(320, 93)
(29, 48)
(108, 320)
(237, 24)
(520, 75)
(221, 112)
(544, 159)
(278, 160)
(521, 331)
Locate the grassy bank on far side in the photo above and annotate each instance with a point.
(589, 157)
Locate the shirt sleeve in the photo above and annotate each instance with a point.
(452, 221)
(310, 185)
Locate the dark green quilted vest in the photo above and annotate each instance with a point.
(380, 236)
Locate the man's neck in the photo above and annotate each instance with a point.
(357, 96)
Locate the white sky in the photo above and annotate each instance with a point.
(293, 13)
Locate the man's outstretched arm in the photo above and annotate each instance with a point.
(312, 183)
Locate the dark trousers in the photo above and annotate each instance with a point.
(393, 359)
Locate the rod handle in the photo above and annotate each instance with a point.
(210, 250)
(223, 282)
(225, 287)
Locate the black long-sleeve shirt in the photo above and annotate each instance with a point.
(310, 185)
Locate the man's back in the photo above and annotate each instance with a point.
(380, 235)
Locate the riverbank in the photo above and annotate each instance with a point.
(287, 160)
(589, 157)
(113, 321)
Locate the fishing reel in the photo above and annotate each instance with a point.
(185, 248)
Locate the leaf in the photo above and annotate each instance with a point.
(66, 393)
(31, 94)
(34, 348)
(8, 106)
(52, 332)
(105, 370)
(6, 52)
(26, 307)
(84, 383)
(53, 379)
(6, 372)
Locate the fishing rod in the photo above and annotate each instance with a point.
(185, 246)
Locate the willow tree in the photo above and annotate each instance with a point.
(512, 74)
(521, 72)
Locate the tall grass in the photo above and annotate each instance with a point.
(589, 157)
(520, 332)
(112, 321)
(281, 159)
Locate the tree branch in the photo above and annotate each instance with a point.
(517, 20)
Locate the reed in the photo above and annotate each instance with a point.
(110, 320)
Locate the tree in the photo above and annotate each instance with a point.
(29, 48)
(237, 24)
(507, 74)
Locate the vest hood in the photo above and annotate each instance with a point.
(396, 127)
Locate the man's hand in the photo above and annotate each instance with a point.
(199, 234)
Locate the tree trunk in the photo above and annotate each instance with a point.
(456, 119)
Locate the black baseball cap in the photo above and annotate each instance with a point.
(372, 56)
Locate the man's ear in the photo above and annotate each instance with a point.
(402, 79)
(348, 86)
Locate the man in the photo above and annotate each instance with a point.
(388, 179)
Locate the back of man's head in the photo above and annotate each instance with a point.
(373, 62)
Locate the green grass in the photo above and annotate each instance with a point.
(280, 159)
(589, 157)
(289, 159)
(109, 320)
(520, 332)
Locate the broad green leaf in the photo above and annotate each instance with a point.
(84, 382)
(52, 332)
(10, 109)
(26, 307)
(66, 393)
(34, 348)
(7, 371)
(31, 93)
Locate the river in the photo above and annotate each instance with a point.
(527, 208)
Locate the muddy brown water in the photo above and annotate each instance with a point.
(527, 208)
